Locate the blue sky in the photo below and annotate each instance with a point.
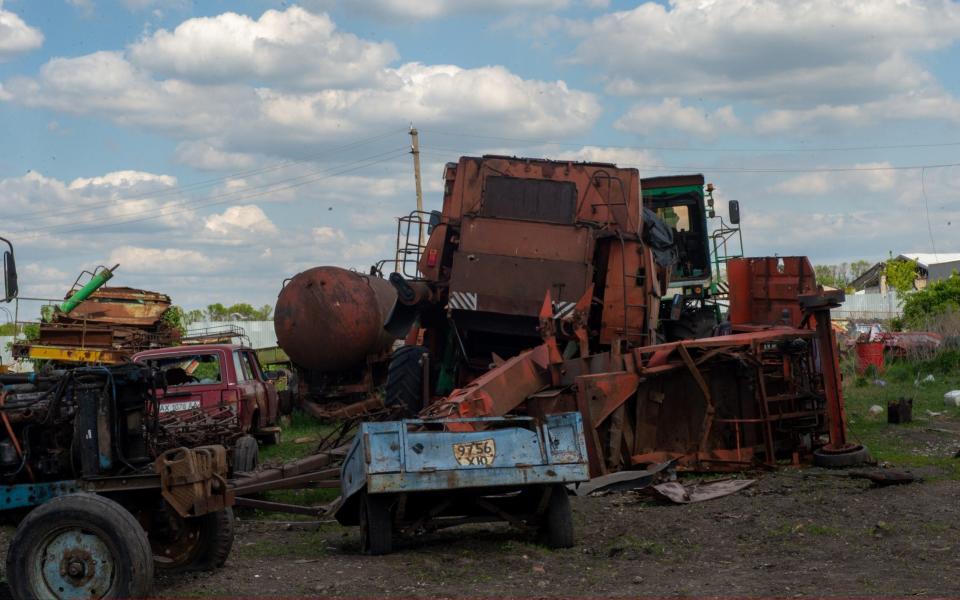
(215, 148)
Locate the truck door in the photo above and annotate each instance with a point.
(269, 402)
(249, 390)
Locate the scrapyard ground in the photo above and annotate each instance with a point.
(796, 532)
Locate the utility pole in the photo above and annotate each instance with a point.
(415, 151)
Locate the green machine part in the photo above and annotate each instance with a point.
(96, 282)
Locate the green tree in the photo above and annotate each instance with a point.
(901, 274)
(936, 299)
(241, 311)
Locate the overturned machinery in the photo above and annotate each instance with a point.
(102, 325)
(543, 288)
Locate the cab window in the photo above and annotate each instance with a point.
(192, 369)
(242, 366)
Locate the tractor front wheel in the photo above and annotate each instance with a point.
(79, 546)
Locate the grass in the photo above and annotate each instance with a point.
(903, 445)
(301, 426)
(308, 545)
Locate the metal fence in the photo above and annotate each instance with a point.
(869, 306)
(260, 333)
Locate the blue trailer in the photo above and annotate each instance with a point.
(416, 475)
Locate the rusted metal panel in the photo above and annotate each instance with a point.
(627, 293)
(123, 306)
(606, 195)
(514, 285)
(540, 200)
(526, 240)
(764, 291)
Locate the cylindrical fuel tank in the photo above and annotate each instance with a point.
(330, 319)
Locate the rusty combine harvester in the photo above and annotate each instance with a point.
(542, 288)
(103, 325)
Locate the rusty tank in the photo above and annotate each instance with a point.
(329, 319)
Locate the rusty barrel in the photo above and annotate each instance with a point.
(330, 319)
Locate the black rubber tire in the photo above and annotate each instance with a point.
(556, 530)
(405, 379)
(246, 454)
(856, 456)
(692, 325)
(215, 534)
(108, 521)
(376, 524)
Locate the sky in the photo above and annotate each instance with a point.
(215, 148)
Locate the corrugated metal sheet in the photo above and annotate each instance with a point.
(869, 306)
(261, 333)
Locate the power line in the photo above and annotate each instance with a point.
(393, 155)
(716, 169)
(696, 149)
(228, 195)
(211, 182)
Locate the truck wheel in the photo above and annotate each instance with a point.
(855, 455)
(193, 544)
(376, 525)
(79, 545)
(405, 379)
(246, 454)
(556, 530)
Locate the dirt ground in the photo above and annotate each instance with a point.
(795, 533)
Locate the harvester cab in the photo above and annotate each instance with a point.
(695, 302)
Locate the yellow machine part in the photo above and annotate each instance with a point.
(78, 355)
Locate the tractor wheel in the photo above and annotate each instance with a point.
(79, 545)
(556, 530)
(246, 454)
(692, 325)
(193, 544)
(405, 379)
(855, 455)
(376, 524)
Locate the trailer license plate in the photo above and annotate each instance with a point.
(481, 452)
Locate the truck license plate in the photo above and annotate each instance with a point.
(167, 407)
(481, 452)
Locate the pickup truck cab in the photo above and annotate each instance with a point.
(214, 376)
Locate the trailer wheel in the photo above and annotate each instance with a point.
(79, 545)
(556, 530)
(376, 525)
(405, 379)
(194, 544)
(246, 454)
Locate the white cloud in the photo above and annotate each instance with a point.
(327, 235)
(137, 259)
(205, 156)
(248, 218)
(293, 47)
(123, 179)
(434, 9)
(231, 116)
(84, 7)
(858, 179)
(16, 37)
(671, 114)
(786, 52)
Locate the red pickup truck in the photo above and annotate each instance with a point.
(219, 379)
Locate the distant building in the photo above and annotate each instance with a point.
(930, 268)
